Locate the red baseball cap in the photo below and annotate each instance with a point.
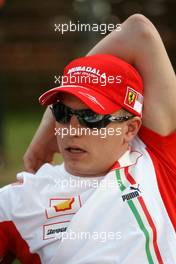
(103, 82)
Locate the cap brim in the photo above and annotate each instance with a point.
(95, 101)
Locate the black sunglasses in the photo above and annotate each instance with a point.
(86, 117)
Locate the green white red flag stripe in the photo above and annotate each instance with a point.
(142, 217)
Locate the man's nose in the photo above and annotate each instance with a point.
(74, 127)
(74, 122)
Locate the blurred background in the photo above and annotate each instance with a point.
(32, 53)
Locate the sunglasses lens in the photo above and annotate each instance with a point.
(97, 125)
(92, 117)
(86, 117)
(61, 113)
(93, 120)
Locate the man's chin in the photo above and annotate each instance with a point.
(76, 169)
(82, 170)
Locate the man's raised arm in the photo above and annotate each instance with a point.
(139, 43)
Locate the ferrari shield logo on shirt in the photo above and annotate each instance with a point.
(63, 206)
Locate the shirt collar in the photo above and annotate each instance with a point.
(129, 158)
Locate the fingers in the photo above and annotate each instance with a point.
(33, 165)
(33, 161)
(29, 165)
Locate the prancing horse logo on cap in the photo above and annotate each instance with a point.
(131, 97)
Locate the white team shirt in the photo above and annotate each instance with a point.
(65, 219)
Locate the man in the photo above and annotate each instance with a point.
(133, 201)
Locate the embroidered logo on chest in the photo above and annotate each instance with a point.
(63, 206)
(131, 193)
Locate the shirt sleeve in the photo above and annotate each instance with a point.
(12, 244)
(3, 242)
(4, 208)
(163, 147)
(162, 150)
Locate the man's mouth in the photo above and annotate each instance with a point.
(75, 150)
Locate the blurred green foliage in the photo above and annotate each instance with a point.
(19, 129)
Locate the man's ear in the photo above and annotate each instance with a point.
(131, 129)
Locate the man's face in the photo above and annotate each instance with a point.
(90, 155)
